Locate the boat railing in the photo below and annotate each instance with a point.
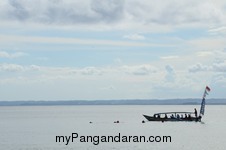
(174, 113)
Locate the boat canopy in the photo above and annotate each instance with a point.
(174, 113)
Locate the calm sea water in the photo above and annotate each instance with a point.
(36, 128)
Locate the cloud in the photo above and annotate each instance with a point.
(209, 58)
(111, 88)
(90, 71)
(108, 10)
(198, 67)
(219, 79)
(169, 69)
(114, 13)
(11, 68)
(62, 40)
(62, 12)
(144, 69)
(215, 67)
(18, 11)
(7, 67)
(170, 73)
(219, 67)
(73, 72)
(176, 13)
(151, 80)
(208, 43)
(169, 57)
(204, 53)
(218, 31)
(118, 61)
(134, 37)
(4, 54)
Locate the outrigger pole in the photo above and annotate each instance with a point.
(202, 109)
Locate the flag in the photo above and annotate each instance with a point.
(207, 88)
(202, 109)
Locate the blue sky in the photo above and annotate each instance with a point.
(112, 49)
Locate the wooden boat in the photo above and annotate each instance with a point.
(181, 116)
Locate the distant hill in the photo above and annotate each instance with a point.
(115, 102)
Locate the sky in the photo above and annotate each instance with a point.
(112, 49)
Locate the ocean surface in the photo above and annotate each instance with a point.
(36, 127)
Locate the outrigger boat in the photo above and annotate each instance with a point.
(181, 116)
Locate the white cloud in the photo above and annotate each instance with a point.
(218, 31)
(90, 71)
(109, 11)
(205, 53)
(62, 12)
(208, 43)
(170, 73)
(108, 88)
(4, 54)
(215, 67)
(220, 79)
(180, 61)
(134, 37)
(62, 40)
(127, 81)
(170, 57)
(219, 67)
(169, 69)
(118, 61)
(144, 69)
(199, 67)
(11, 67)
(113, 13)
(176, 13)
(73, 72)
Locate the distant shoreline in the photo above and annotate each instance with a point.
(114, 102)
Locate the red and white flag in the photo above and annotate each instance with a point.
(207, 88)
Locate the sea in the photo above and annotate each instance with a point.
(38, 128)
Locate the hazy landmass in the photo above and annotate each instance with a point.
(115, 102)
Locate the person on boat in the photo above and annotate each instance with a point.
(166, 116)
(195, 113)
(172, 116)
(189, 117)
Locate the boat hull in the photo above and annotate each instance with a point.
(151, 118)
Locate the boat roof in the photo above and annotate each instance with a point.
(174, 113)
